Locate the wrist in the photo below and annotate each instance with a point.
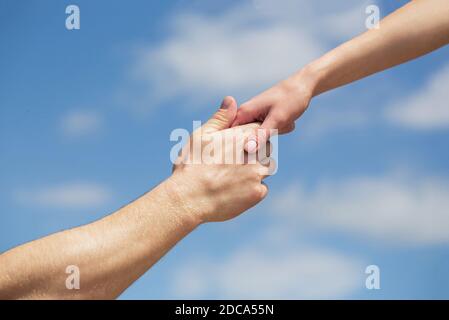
(186, 198)
(310, 78)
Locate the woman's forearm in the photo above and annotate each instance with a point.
(417, 28)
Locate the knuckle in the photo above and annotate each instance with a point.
(256, 191)
(282, 118)
(262, 191)
(289, 128)
(255, 172)
(244, 108)
(221, 115)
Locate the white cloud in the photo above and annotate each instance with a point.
(245, 48)
(390, 208)
(321, 121)
(253, 273)
(426, 109)
(81, 123)
(65, 196)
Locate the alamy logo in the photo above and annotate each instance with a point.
(72, 22)
(373, 19)
(373, 279)
(222, 147)
(73, 280)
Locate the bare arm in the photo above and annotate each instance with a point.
(417, 28)
(110, 253)
(113, 252)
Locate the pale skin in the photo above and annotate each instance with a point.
(416, 29)
(115, 251)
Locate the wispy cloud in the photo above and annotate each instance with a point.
(81, 123)
(253, 273)
(392, 208)
(425, 109)
(322, 121)
(243, 49)
(65, 196)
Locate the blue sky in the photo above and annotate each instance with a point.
(85, 119)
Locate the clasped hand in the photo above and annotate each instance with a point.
(215, 175)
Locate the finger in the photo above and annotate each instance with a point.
(252, 110)
(262, 171)
(261, 136)
(245, 131)
(263, 155)
(256, 139)
(267, 169)
(264, 189)
(259, 157)
(241, 133)
(223, 118)
(249, 127)
(287, 129)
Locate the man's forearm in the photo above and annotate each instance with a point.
(110, 253)
(113, 252)
(418, 28)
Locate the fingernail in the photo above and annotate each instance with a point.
(225, 103)
(251, 146)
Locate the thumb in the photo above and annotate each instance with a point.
(223, 118)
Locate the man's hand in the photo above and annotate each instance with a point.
(220, 191)
(113, 252)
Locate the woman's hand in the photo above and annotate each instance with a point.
(416, 29)
(277, 108)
